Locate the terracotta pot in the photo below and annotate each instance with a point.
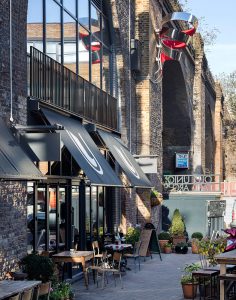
(168, 250)
(162, 245)
(44, 288)
(189, 290)
(178, 239)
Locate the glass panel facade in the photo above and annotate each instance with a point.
(83, 12)
(106, 70)
(35, 24)
(70, 5)
(84, 53)
(30, 218)
(96, 62)
(41, 218)
(75, 216)
(70, 43)
(73, 38)
(53, 30)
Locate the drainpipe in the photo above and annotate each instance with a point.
(10, 49)
(130, 98)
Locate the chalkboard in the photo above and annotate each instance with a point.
(150, 243)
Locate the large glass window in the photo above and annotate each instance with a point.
(35, 24)
(53, 30)
(72, 32)
(70, 42)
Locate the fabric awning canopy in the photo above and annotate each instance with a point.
(83, 149)
(126, 160)
(14, 163)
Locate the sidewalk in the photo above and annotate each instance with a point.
(157, 280)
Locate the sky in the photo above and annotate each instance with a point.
(221, 15)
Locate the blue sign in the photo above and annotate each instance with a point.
(181, 160)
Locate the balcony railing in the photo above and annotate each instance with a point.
(52, 82)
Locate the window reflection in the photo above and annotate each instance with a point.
(94, 214)
(106, 70)
(96, 63)
(53, 30)
(69, 42)
(84, 55)
(95, 22)
(105, 31)
(35, 25)
(75, 216)
(30, 217)
(83, 12)
(70, 5)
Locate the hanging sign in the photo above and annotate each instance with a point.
(181, 160)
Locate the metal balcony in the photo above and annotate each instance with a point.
(52, 82)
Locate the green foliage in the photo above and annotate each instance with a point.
(132, 236)
(210, 248)
(61, 291)
(197, 235)
(38, 267)
(188, 269)
(177, 227)
(181, 248)
(164, 235)
(168, 245)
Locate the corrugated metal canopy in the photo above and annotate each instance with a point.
(126, 160)
(14, 163)
(83, 149)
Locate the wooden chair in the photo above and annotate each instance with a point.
(96, 252)
(15, 297)
(43, 290)
(135, 255)
(114, 268)
(27, 294)
(229, 284)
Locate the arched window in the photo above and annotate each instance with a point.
(76, 34)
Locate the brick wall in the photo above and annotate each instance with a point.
(19, 13)
(13, 229)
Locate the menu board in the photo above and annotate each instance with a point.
(150, 243)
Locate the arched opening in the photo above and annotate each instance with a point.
(176, 136)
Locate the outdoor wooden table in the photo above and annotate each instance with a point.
(75, 257)
(227, 258)
(118, 247)
(12, 287)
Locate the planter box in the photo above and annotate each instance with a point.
(189, 290)
(162, 245)
(179, 239)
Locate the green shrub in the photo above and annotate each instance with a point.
(177, 227)
(132, 235)
(189, 268)
(164, 235)
(38, 267)
(61, 291)
(197, 235)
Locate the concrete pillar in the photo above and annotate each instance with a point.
(198, 109)
(218, 131)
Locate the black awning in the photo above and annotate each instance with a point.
(14, 163)
(83, 149)
(126, 160)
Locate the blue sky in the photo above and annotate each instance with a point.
(222, 15)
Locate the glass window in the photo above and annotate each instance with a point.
(95, 22)
(94, 213)
(84, 53)
(52, 217)
(62, 219)
(30, 217)
(35, 24)
(69, 42)
(41, 217)
(105, 32)
(87, 217)
(106, 70)
(83, 12)
(53, 30)
(101, 212)
(96, 63)
(75, 216)
(70, 5)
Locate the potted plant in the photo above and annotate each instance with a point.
(163, 237)
(155, 197)
(196, 237)
(189, 285)
(181, 248)
(39, 268)
(132, 235)
(168, 248)
(61, 291)
(177, 228)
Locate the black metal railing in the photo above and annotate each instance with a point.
(52, 82)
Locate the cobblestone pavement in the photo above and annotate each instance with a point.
(157, 280)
